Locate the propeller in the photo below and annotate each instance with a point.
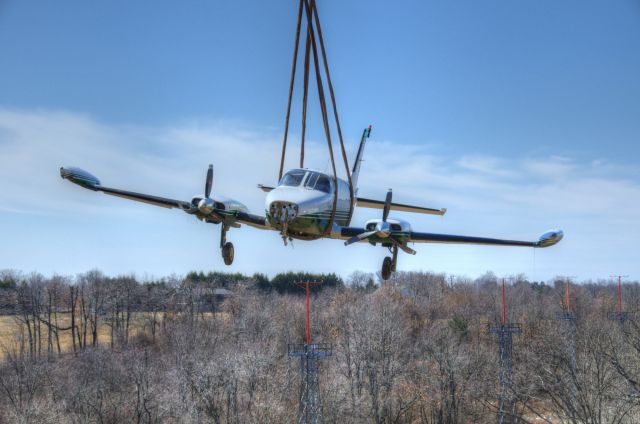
(387, 206)
(209, 182)
(382, 229)
(207, 205)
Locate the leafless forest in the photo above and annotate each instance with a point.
(213, 349)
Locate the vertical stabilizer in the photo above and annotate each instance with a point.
(355, 172)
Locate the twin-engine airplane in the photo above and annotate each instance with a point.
(309, 205)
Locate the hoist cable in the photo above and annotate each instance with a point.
(310, 8)
(335, 108)
(323, 106)
(291, 84)
(305, 96)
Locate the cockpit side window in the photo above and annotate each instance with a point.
(311, 181)
(292, 178)
(323, 184)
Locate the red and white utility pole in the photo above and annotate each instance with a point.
(620, 277)
(567, 292)
(307, 288)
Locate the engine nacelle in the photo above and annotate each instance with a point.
(396, 225)
(217, 203)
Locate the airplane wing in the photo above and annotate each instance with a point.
(145, 198)
(256, 221)
(378, 204)
(88, 181)
(547, 239)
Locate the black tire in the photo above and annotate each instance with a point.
(227, 253)
(387, 266)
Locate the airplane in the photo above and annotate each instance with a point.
(308, 204)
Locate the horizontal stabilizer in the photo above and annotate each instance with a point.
(265, 188)
(378, 204)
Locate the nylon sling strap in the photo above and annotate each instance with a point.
(293, 77)
(310, 8)
(305, 97)
(335, 108)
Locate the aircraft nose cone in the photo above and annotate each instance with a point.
(282, 212)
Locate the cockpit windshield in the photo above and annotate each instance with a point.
(319, 182)
(292, 178)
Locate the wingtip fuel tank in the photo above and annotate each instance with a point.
(80, 177)
(550, 238)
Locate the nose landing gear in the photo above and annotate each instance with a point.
(282, 214)
(226, 246)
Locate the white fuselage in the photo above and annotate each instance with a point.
(302, 205)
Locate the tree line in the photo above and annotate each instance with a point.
(212, 348)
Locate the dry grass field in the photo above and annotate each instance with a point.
(12, 330)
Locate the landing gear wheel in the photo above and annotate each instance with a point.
(387, 268)
(227, 253)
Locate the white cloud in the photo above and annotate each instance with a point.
(486, 165)
(552, 167)
(485, 195)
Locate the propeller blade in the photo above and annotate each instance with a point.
(359, 237)
(209, 183)
(387, 206)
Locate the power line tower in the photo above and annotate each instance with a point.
(619, 314)
(310, 406)
(505, 332)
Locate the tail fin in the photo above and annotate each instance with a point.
(356, 165)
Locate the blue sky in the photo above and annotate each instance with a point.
(516, 116)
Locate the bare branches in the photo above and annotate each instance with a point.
(98, 349)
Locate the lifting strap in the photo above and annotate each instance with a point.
(305, 97)
(335, 108)
(293, 77)
(310, 8)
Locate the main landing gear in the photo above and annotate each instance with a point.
(226, 246)
(389, 263)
